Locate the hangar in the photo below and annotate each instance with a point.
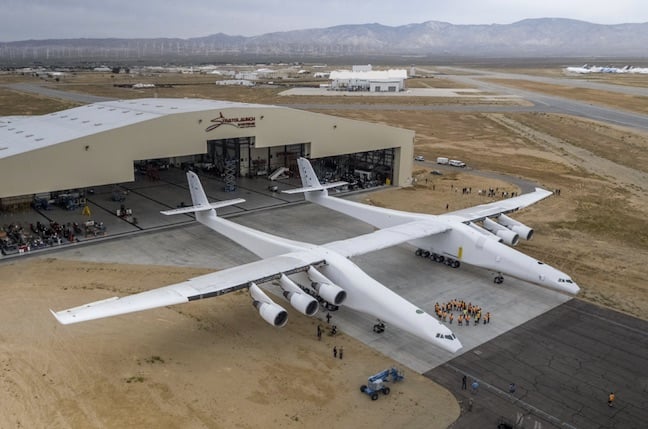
(99, 143)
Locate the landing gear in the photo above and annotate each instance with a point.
(438, 258)
(499, 279)
(379, 327)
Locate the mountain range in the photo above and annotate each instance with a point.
(543, 37)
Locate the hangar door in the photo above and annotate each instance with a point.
(245, 159)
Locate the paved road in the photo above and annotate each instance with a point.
(55, 93)
(564, 363)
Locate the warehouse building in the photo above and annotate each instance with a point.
(363, 78)
(101, 143)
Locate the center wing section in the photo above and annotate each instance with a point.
(386, 237)
(482, 211)
(207, 286)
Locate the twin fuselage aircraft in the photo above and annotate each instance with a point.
(308, 273)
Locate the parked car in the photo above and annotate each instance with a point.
(419, 158)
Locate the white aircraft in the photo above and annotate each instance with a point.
(325, 270)
(454, 237)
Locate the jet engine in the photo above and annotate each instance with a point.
(268, 310)
(508, 236)
(515, 226)
(303, 303)
(482, 231)
(325, 288)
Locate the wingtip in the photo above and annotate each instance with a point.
(56, 316)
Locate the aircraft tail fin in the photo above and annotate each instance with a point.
(309, 180)
(199, 199)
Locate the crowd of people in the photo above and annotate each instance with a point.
(466, 313)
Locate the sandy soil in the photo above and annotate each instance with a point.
(209, 364)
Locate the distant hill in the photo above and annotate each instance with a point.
(545, 37)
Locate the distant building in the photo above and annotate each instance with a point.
(363, 78)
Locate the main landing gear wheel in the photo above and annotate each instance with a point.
(499, 280)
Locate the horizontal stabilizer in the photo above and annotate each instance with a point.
(193, 209)
(315, 188)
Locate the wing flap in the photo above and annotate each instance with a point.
(386, 237)
(482, 211)
(207, 286)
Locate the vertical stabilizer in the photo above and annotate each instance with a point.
(198, 196)
(308, 176)
(309, 179)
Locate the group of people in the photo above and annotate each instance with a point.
(467, 312)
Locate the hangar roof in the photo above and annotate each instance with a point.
(19, 134)
(369, 75)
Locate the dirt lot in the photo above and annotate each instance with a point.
(596, 231)
(145, 371)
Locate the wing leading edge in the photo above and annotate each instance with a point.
(207, 286)
(495, 208)
(386, 237)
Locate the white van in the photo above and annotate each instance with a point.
(456, 163)
(442, 160)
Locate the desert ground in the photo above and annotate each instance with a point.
(596, 231)
(122, 373)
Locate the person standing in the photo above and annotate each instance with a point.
(611, 399)
(341, 352)
(319, 332)
(463, 382)
(334, 352)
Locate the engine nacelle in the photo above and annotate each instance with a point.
(484, 232)
(325, 288)
(516, 226)
(303, 303)
(269, 311)
(330, 292)
(508, 236)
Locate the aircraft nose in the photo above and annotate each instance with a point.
(572, 288)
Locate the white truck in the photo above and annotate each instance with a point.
(456, 163)
(442, 160)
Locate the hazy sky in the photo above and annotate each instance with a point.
(44, 19)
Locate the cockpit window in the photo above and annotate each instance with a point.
(565, 281)
(540, 263)
(448, 337)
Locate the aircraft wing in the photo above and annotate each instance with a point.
(482, 211)
(386, 237)
(207, 286)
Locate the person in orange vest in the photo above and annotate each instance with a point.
(611, 399)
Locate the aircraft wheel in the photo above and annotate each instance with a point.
(426, 254)
(440, 259)
(374, 396)
(455, 264)
(499, 280)
(419, 252)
